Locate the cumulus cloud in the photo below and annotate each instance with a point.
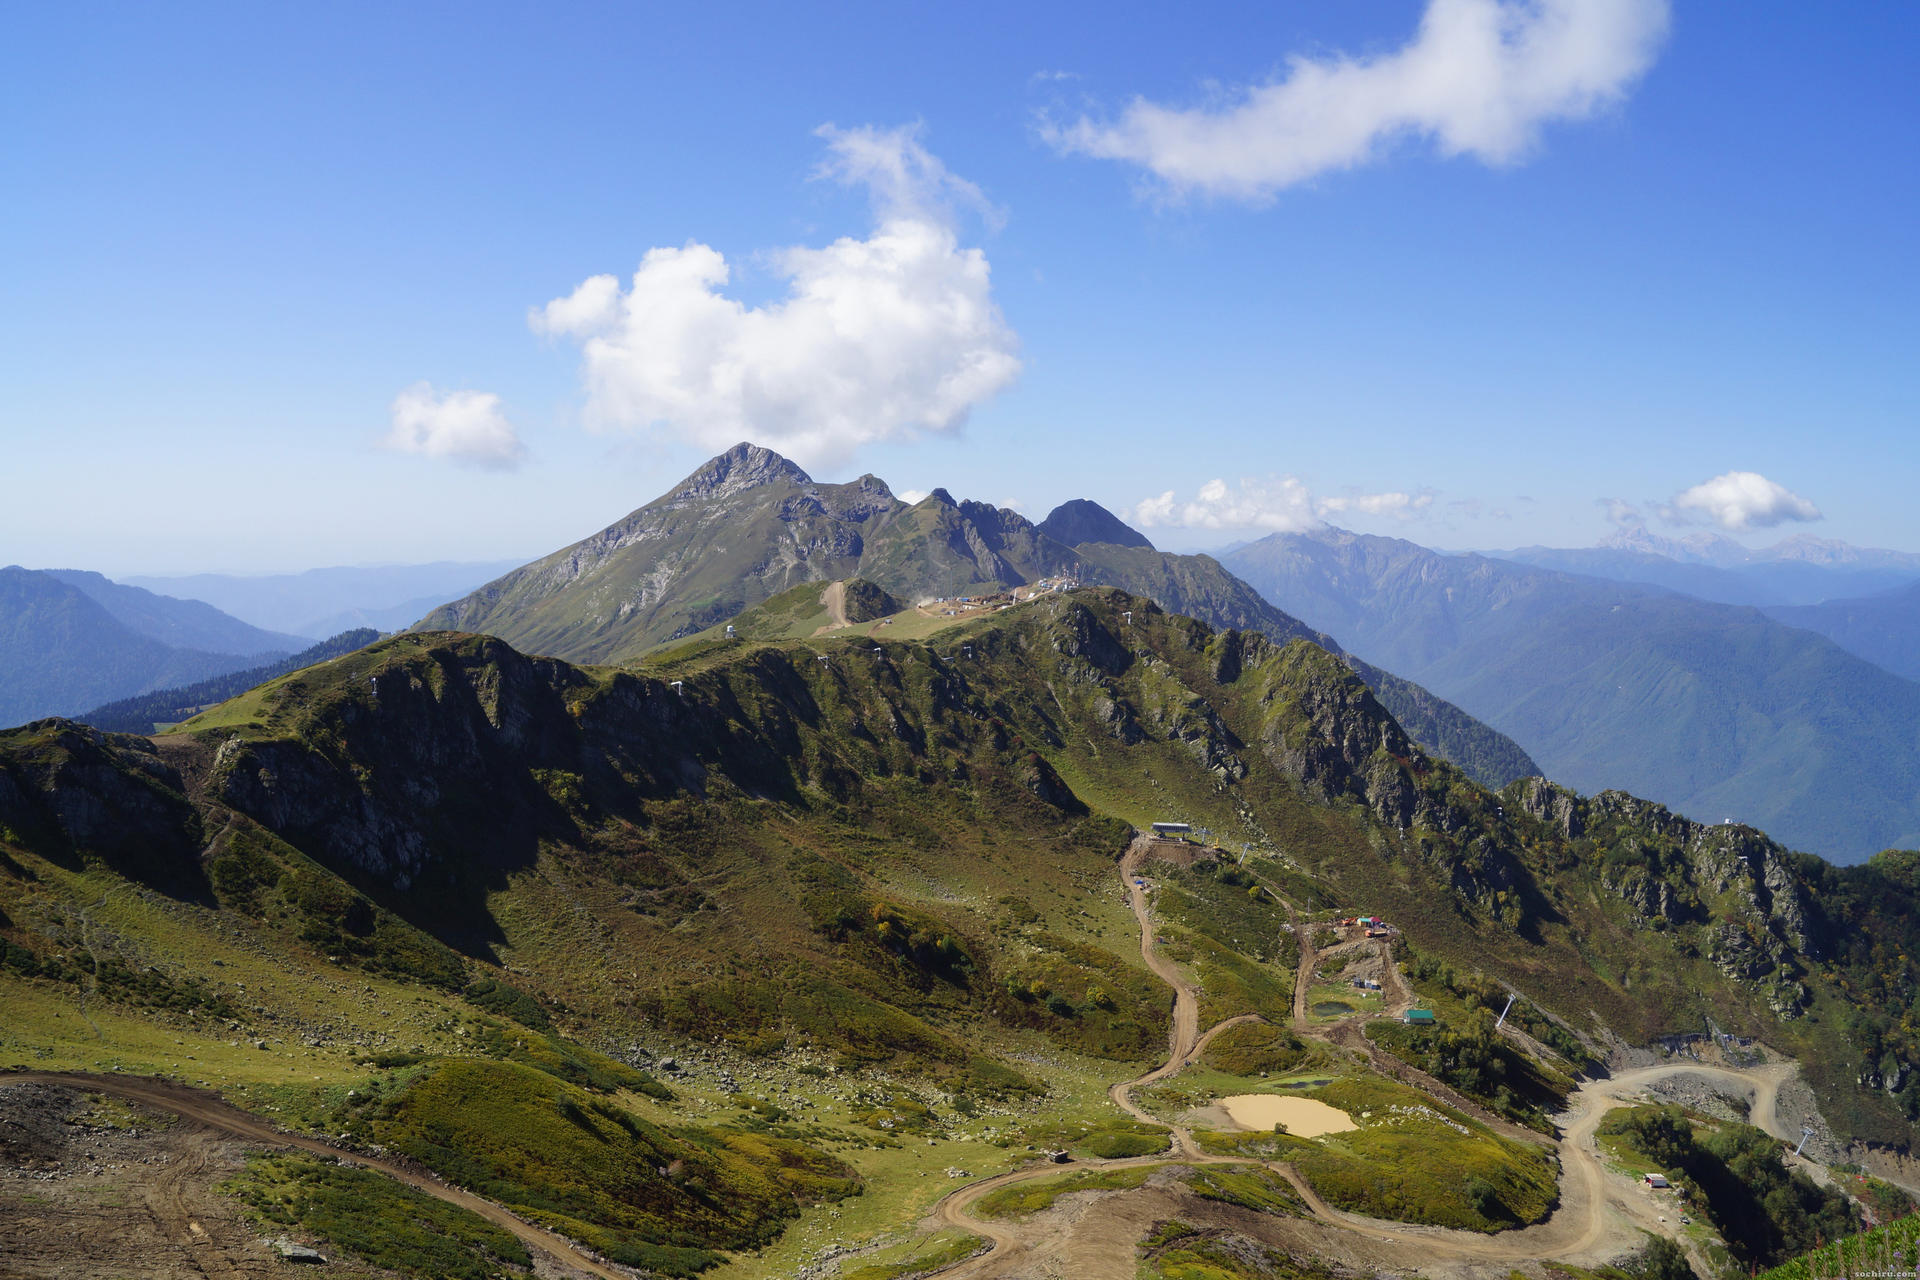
(1480, 78)
(1739, 500)
(893, 335)
(1280, 503)
(464, 426)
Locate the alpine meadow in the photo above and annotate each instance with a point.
(1195, 851)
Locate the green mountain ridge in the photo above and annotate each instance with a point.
(1716, 710)
(890, 873)
(749, 525)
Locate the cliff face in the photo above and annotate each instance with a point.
(73, 789)
(1749, 907)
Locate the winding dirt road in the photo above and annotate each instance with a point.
(1600, 1215)
(196, 1106)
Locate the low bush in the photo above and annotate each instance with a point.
(664, 1200)
(1024, 1199)
(384, 1222)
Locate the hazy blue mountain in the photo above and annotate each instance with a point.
(1758, 582)
(320, 602)
(1794, 571)
(61, 651)
(1883, 629)
(1706, 581)
(395, 617)
(183, 624)
(1716, 710)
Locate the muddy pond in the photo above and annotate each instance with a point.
(1304, 1117)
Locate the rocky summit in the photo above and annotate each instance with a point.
(749, 525)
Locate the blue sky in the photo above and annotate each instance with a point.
(240, 238)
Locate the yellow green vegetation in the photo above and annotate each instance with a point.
(1251, 1187)
(643, 1195)
(1105, 1139)
(1224, 901)
(1467, 1054)
(1027, 1197)
(382, 1221)
(1880, 1251)
(1230, 983)
(923, 1257)
(1175, 1250)
(1411, 1160)
(1256, 1047)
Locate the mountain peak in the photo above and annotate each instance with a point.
(745, 466)
(1078, 521)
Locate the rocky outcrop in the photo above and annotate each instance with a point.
(105, 795)
(1552, 804)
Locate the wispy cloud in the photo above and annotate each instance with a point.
(462, 426)
(1375, 504)
(1276, 503)
(1479, 78)
(893, 335)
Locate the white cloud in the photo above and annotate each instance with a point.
(1281, 503)
(912, 497)
(466, 426)
(894, 335)
(1479, 79)
(1376, 504)
(1739, 500)
(1276, 503)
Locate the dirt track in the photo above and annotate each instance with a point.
(1601, 1215)
(203, 1109)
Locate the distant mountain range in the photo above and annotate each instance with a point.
(1795, 571)
(1713, 709)
(71, 640)
(1883, 629)
(749, 525)
(183, 624)
(318, 603)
